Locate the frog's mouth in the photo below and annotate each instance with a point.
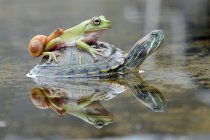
(97, 30)
(92, 37)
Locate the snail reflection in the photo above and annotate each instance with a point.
(81, 97)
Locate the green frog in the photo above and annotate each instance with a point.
(87, 32)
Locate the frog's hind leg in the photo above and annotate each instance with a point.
(52, 56)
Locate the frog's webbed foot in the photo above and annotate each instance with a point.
(53, 93)
(53, 56)
(94, 52)
(62, 113)
(91, 50)
(100, 52)
(99, 96)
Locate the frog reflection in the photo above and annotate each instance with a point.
(87, 108)
(81, 97)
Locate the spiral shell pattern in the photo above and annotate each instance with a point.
(36, 45)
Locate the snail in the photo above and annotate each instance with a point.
(41, 100)
(38, 43)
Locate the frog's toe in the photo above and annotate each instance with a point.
(49, 60)
(99, 50)
(57, 60)
(100, 96)
(95, 58)
(53, 56)
(57, 57)
(100, 53)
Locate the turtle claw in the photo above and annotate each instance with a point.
(52, 56)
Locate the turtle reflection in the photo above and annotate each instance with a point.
(81, 97)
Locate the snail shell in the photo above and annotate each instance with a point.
(36, 45)
(38, 98)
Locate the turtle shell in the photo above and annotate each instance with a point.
(75, 62)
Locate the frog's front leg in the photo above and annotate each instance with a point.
(52, 56)
(82, 102)
(89, 49)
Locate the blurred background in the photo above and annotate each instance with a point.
(180, 70)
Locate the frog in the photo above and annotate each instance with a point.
(86, 107)
(81, 35)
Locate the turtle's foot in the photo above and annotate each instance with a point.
(53, 56)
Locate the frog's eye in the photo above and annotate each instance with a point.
(96, 21)
(99, 124)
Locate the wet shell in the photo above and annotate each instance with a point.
(78, 63)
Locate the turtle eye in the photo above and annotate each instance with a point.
(96, 21)
(154, 34)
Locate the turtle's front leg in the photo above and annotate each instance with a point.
(52, 56)
(89, 49)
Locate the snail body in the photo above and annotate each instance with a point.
(38, 43)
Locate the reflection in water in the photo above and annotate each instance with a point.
(81, 97)
(86, 107)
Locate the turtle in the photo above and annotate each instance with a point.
(75, 62)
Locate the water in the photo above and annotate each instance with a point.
(179, 70)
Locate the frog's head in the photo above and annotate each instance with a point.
(93, 28)
(97, 115)
(96, 24)
(152, 41)
(100, 121)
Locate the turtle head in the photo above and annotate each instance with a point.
(142, 49)
(152, 41)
